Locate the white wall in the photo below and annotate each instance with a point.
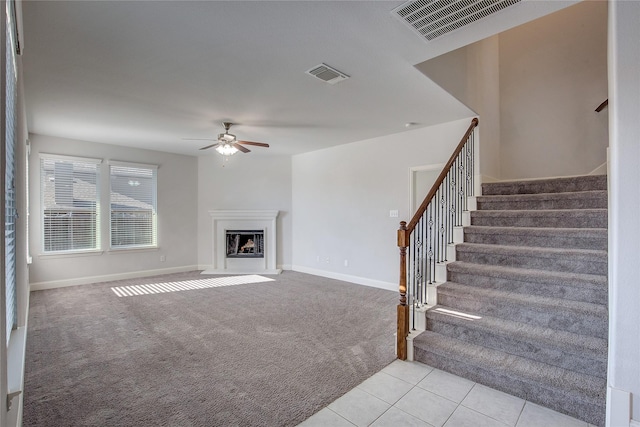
(553, 74)
(342, 197)
(471, 75)
(177, 193)
(623, 397)
(245, 181)
(535, 88)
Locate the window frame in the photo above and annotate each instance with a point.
(154, 206)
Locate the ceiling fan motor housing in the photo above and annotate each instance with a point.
(226, 137)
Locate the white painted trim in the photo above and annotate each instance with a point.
(347, 278)
(240, 272)
(618, 408)
(603, 169)
(412, 171)
(285, 267)
(38, 286)
(634, 423)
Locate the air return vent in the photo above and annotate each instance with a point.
(327, 74)
(434, 18)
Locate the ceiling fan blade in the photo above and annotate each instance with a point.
(257, 144)
(210, 146)
(199, 139)
(241, 148)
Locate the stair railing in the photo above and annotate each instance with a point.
(423, 242)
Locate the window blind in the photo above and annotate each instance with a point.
(70, 193)
(133, 206)
(9, 191)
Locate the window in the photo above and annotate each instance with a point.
(133, 205)
(10, 213)
(70, 194)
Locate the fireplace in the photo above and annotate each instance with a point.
(245, 243)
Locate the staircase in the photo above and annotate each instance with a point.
(524, 308)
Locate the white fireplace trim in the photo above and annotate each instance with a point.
(223, 220)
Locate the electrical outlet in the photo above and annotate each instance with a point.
(327, 260)
(346, 263)
(163, 258)
(318, 258)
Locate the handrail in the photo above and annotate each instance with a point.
(423, 243)
(423, 207)
(601, 106)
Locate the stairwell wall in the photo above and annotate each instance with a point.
(535, 88)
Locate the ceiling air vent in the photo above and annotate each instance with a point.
(434, 18)
(327, 74)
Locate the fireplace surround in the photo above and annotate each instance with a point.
(243, 242)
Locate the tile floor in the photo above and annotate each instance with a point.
(414, 394)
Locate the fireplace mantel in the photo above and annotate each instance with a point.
(223, 220)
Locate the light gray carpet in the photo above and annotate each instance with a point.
(264, 354)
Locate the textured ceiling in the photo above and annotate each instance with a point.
(148, 74)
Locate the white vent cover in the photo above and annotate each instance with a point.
(433, 18)
(327, 74)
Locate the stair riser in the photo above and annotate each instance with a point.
(578, 361)
(565, 263)
(590, 410)
(544, 186)
(596, 243)
(586, 220)
(550, 317)
(573, 293)
(585, 203)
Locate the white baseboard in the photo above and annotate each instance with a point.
(618, 408)
(38, 286)
(601, 170)
(347, 278)
(634, 423)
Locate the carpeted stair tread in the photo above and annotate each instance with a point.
(573, 393)
(595, 199)
(546, 218)
(578, 238)
(559, 259)
(461, 290)
(590, 288)
(567, 315)
(551, 185)
(559, 348)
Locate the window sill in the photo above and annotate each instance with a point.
(116, 251)
(15, 363)
(55, 255)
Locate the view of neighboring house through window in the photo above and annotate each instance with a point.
(70, 194)
(133, 205)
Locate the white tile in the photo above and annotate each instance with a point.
(427, 406)
(359, 407)
(395, 417)
(411, 372)
(465, 417)
(494, 403)
(446, 385)
(386, 387)
(325, 418)
(535, 415)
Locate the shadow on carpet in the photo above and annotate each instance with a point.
(260, 354)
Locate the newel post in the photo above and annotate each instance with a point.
(403, 308)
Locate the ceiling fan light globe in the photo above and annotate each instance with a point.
(226, 149)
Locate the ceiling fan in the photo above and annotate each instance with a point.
(227, 144)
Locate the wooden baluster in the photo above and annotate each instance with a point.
(403, 308)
